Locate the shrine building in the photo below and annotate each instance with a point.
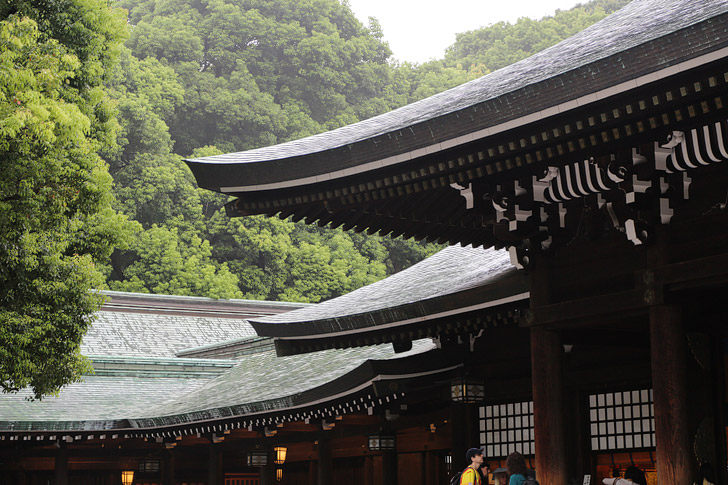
(576, 317)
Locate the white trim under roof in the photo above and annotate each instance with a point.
(471, 308)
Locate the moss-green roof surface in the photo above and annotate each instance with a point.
(158, 335)
(131, 390)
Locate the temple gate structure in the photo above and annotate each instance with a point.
(577, 317)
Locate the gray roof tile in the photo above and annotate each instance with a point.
(264, 377)
(107, 402)
(451, 270)
(155, 335)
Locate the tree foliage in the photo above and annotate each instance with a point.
(194, 78)
(501, 44)
(257, 72)
(212, 76)
(219, 75)
(56, 216)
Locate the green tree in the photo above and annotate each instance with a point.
(56, 216)
(501, 44)
(171, 262)
(257, 72)
(233, 75)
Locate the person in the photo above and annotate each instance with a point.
(636, 475)
(617, 481)
(516, 465)
(500, 476)
(484, 472)
(706, 473)
(471, 475)
(632, 476)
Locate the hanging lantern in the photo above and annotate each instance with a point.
(127, 477)
(467, 390)
(258, 458)
(280, 455)
(382, 442)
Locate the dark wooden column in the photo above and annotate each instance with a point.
(325, 461)
(548, 399)
(465, 432)
(62, 466)
(268, 472)
(669, 388)
(369, 471)
(168, 469)
(430, 477)
(389, 467)
(214, 465)
(312, 472)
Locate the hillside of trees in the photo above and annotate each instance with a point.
(101, 99)
(223, 75)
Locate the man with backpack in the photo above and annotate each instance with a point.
(471, 475)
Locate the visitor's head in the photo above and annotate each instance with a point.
(635, 474)
(516, 464)
(500, 476)
(474, 455)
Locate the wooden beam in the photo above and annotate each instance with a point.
(696, 273)
(600, 306)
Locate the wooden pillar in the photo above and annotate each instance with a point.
(669, 388)
(214, 465)
(168, 469)
(61, 471)
(325, 462)
(369, 471)
(429, 468)
(268, 472)
(312, 472)
(465, 432)
(389, 467)
(548, 418)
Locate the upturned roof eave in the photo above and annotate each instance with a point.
(506, 102)
(506, 288)
(361, 378)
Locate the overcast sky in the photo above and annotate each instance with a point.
(420, 30)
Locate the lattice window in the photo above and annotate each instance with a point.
(505, 428)
(242, 479)
(622, 420)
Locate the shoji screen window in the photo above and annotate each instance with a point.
(622, 420)
(505, 428)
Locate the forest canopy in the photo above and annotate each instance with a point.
(101, 99)
(217, 76)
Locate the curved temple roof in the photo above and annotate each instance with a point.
(257, 383)
(593, 64)
(142, 383)
(481, 278)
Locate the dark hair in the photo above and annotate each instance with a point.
(635, 474)
(516, 464)
(706, 471)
